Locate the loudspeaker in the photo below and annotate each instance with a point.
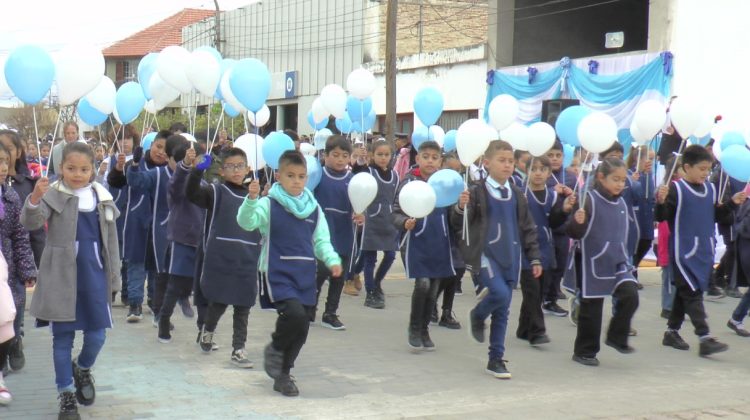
(551, 108)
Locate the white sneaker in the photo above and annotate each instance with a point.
(5, 397)
(239, 359)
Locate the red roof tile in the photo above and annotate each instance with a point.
(156, 37)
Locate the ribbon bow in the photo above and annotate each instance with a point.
(532, 74)
(593, 67)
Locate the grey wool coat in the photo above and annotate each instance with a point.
(54, 297)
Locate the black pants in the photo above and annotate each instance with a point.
(178, 287)
(200, 301)
(160, 289)
(448, 287)
(292, 326)
(625, 303)
(723, 273)
(4, 350)
(641, 250)
(687, 301)
(124, 277)
(531, 318)
(423, 299)
(239, 322)
(551, 289)
(335, 284)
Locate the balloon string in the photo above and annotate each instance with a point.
(43, 170)
(464, 229)
(403, 240)
(676, 158)
(580, 174)
(208, 121)
(528, 174)
(221, 118)
(255, 123)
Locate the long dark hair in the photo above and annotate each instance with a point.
(20, 166)
(606, 167)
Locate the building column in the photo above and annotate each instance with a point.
(500, 33)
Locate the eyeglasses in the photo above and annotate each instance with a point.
(238, 167)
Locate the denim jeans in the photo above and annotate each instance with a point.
(667, 288)
(62, 347)
(367, 262)
(136, 281)
(497, 305)
(741, 311)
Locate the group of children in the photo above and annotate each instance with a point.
(245, 238)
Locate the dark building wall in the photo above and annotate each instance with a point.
(576, 28)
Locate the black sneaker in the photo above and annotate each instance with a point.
(496, 368)
(415, 339)
(552, 308)
(207, 340)
(665, 313)
(16, 358)
(379, 299)
(332, 321)
(68, 406)
(622, 348)
(449, 321)
(673, 339)
(84, 381)
(272, 361)
(539, 340)
(135, 314)
(586, 361)
(710, 346)
(164, 336)
(477, 327)
(427, 344)
(214, 346)
(733, 292)
(286, 386)
(239, 359)
(371, 300)
(434, 316)
(715, 293)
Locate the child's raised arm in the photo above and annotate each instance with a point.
(142, 180)
(254, 213)
(35, 213)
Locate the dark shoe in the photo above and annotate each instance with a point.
(665, 313)
(332, 321)
(738, 328)
(164, 335)
(715, 293)
(427, 344)
(539, 340)
(434, 316)
(272, 361)
(372, 301)
(586, 361)
(574, 305)
(85, 391)
(379, 299)
(239, 359)
(710, 346)
(68, 406)
(16, 358)
(673, 339)
(285, 384)
(187, 309)
(415, 339)
(206, 341)
(733, 293)
(135, 314)
(496, 368)
(449, 321)
(639, 285)
(477, 327)
(624, 349)
(552, 308)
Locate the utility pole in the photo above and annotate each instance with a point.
(390, 70)
(217, 25)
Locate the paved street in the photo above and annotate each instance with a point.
(367, 372)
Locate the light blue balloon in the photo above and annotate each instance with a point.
(449, 141)
(274, 145)
(356, 127)
(358, 109)
(29, 72)
(567, 124)
(311, 120)
(731, 138)
(428, 105)
(448, 186)
(568, 154)
(250, 82)
(146, 69)
(211, 50)
(226, 64)
(703, 141)
(735, 160)
(148, 139)
(370, 120)
(314, 172)
(420, 135)
(230, 111)
(344, 124)
(321, 137)
(89, 114)
(129, 102)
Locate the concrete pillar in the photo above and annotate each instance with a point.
(500, 33)
(660, 22)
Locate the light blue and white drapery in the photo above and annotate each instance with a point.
(615, 85)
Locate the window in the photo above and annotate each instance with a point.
(126, 70)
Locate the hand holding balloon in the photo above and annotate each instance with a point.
(661, 194)
(336, 271)
(41, 187)
(463, 200)
(739, 198)
(409, 224)
(253, 191)
(569, 203)
(120, 166)
(359, 219)
(189, 157)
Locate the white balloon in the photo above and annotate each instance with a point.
(162, 93)
(362, 190)
(78, 70)
(117, 117)
(319, 111)
(597, 132)
(650, 116)
(204, 72)
(472, 139)
(321, 136)
(307, 149)
(706, 123)
(189, 137)
(226, 92)
(517, 135)
(503, 111)
(437, 134)
(150, 106)
(638, 135)
(685, 115)
(263, 116)
(360, 83)
(417, 199)
(541, 138)
(171, 64)
(102, 98)
(334, 100)
(718, 130)
(252, 145)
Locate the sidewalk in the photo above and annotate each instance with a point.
(368, 372)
